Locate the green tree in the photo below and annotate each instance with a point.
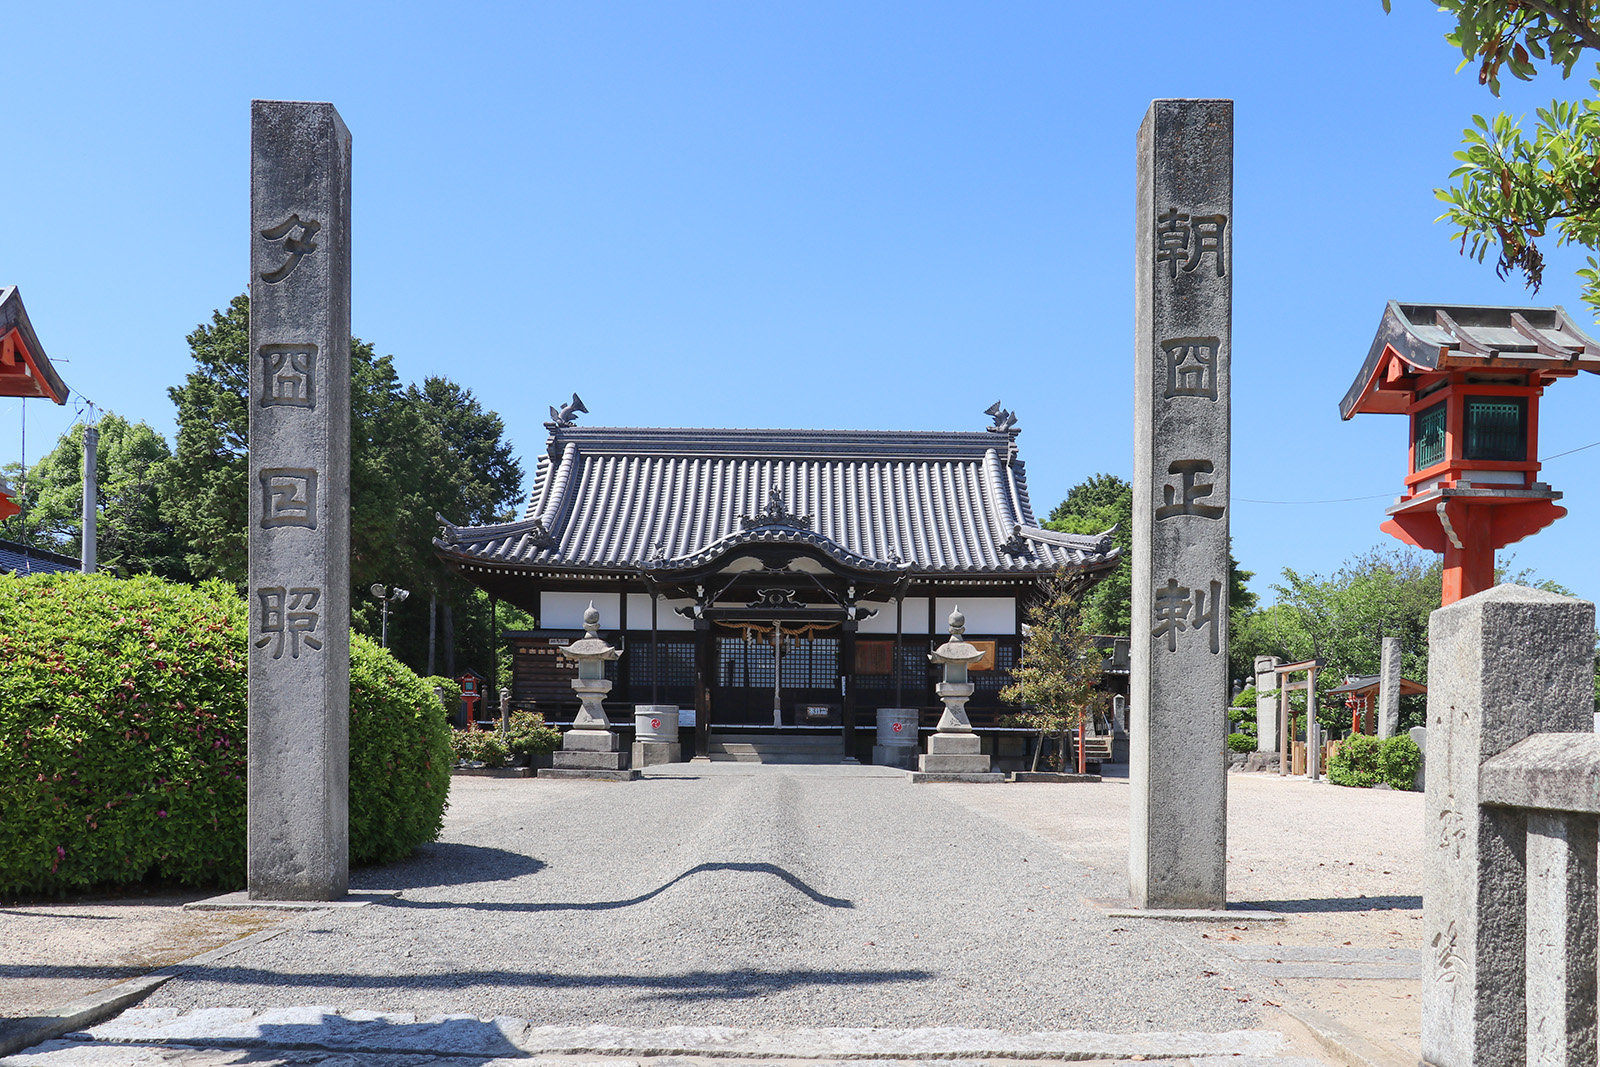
(1093, 506)
(414, 452)
(130, 534)
(1511, 186)
(1056, 681)
(1098, 504)
(206, 494)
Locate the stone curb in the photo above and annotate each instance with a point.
(1344, 1044)
(990, 777)
(323, 1029)
(86, 1011)
(18, 1034)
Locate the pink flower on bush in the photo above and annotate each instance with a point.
(61, 852)
(161, 814)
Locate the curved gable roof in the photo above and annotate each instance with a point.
(609, 498)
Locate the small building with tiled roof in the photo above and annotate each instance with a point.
(20, 559)
(776, 578)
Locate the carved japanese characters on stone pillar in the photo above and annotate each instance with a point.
(1179, 649)
(299, 514)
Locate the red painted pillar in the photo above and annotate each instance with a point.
(1469, 568)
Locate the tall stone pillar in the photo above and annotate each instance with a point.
(299, 587)
(1182, 350)
(1266, 707)
(1388, 695)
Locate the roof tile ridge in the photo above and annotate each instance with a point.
(560, 482)
(1003, 520)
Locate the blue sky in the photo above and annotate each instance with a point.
(849, 215)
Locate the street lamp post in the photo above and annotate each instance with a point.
(386, 596)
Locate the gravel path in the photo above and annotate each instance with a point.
(772, 897)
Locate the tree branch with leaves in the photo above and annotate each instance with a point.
(1513, 188)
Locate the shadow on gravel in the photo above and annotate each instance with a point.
(1313, 905)
(608, 905)
(56, 970)
(741, 984)
(447, 863)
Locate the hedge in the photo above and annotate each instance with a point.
(122, 711)
(1364, 760)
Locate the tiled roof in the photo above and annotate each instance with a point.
(25, 559)
(608, 499)
(1441, 337)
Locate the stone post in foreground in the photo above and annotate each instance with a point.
(1503, 664)
(1182, 353)
(299, 517)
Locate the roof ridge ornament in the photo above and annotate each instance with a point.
(776, 513)
(567, 414)
(1004, 421)
(1016, 544)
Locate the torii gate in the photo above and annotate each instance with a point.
(1285, 734)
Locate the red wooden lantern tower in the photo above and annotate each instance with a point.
(24, 369)
(1469, 380)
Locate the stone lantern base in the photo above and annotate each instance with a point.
(590, 754)
(955, 758)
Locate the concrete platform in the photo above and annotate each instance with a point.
(1121, 909)
(356, 898)
(986, 777)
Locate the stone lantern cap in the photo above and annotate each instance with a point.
(956, 651)
(590, 646)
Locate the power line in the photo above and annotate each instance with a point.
(1335, 500)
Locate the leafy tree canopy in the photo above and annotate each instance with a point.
(130, 535)
(1512, 186)
(1094, 506)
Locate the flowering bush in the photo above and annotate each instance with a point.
(480, 746)
(122, 740)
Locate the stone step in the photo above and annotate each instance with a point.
(775, 748)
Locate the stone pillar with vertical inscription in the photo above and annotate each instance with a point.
(1388, 695)
(299, 592)
(1266, 707)
(1182, 350)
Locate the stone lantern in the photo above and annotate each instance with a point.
(590, 749)
(954, 751)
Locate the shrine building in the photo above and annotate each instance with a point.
(772, 581)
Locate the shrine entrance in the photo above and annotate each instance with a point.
(777, 674)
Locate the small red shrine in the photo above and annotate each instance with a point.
(1469, 379)
(24, 368)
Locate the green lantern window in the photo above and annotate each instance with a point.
(1496, 428)
(1427, 436)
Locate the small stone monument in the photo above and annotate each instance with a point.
(955, 753)
(655, 735)
(505, 710)
(1389, 688)
(591, 748)
(1266, 705)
